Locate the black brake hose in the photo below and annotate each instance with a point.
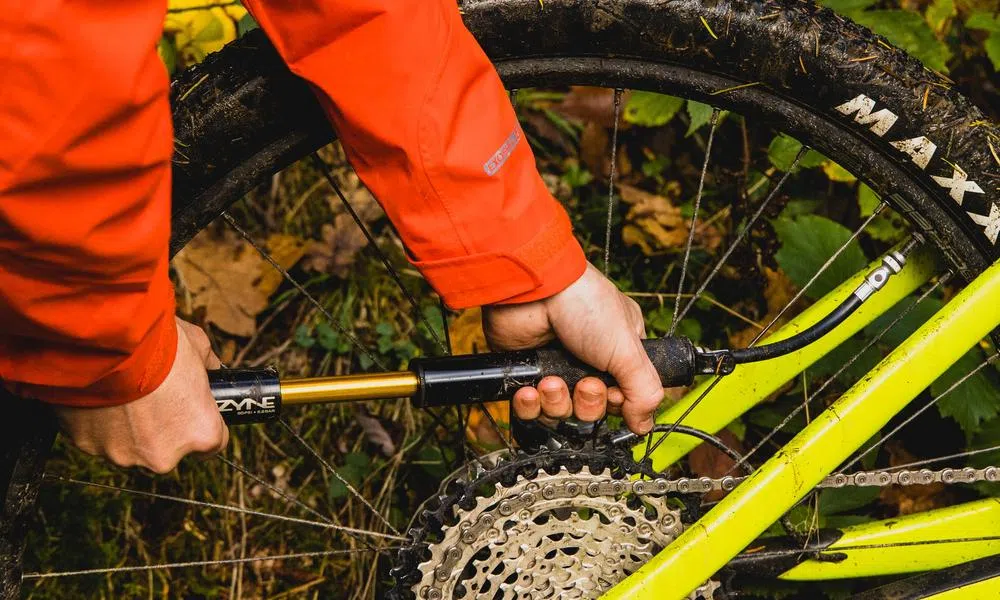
(723, 361)
(802, 339)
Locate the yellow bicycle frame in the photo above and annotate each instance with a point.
(774, 488)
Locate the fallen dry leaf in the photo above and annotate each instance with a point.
(590, 104)
(595, 150)
(911, 498)
(286, 250)
(480, 431)
(336, 252)
(375, 432)
(653, 222)
(466, 332)
(226, 277)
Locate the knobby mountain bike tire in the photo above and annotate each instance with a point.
(241, 116)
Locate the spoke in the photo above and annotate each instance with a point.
(205, 563)
(694, 220)
(820, 272)
(650, 448)
(788, 418)
(329, 468)
(288, 498)
(444, 325)
(328, 175)
(309, 297)
(429, 432)
(990, 360)
(938, 459)
(709, 299)
(611, 179)
(496, 428)
(224, 507)
(822, 269)
(742, 234)
(467, 449)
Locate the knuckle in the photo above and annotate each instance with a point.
(121, 459)
(162, 466)
(209, 440)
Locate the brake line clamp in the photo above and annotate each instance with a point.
(892, 264)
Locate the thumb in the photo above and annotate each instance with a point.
(639, 383)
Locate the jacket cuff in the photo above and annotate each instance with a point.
(140, 374)
(545, 265)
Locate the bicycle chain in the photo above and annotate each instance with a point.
(701, 485)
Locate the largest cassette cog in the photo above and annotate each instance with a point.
(554, 524)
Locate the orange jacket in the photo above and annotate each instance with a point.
(85, 145)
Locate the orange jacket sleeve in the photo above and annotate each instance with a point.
(85, 143)
(428, 127)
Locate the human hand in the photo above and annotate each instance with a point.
(156, 431)
(600, 326)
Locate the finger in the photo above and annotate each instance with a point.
(556, 401)
(527, 403)
(590, 397)
(198, 339)
(220, 445)
(640, 384)
(212, 361)
(225, 436)
(615, 400)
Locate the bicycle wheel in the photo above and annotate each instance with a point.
(887, 120)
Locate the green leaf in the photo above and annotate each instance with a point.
(984, 20)
(800, 206)
(910, 322)
(839, 500)
(432, 318)
(359, 460)
(247, 23)
(576, 176)
(168, 54)
(210, 32)
(783, 150)
(847, 7)
(356, 467)
(326, 336)
(972, 402)
(888, 226)
(836, 172)
(939, 13)
(910, 32)
(807, 242)
(851, 351)
(700, 114)
(658, 321)
(303, 337)
(868, 200)
(738, 428)
(650, 109)
(992, 46)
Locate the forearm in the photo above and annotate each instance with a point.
(428, 127)
(85, 300)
